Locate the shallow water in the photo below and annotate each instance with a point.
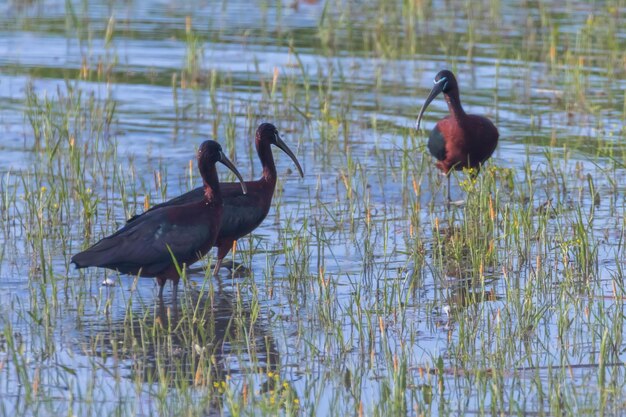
(359, 311)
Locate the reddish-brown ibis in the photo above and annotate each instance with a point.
(459, 140)
(242, 212)
(148, 246)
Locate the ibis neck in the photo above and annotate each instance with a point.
(211, 183)
(454, 105)
(264, 150)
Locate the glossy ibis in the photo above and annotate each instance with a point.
(242, 212)
(459, 140)
(186, 232)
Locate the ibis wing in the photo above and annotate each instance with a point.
(242, 212)
(143, 244)
(193, 196)
(437, 144)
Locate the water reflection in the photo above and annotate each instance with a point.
(461, 297)
(201, 340)
(467, 265)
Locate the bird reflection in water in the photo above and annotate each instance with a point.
(463, 284)
(203, 340)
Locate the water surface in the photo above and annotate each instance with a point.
(351, 302)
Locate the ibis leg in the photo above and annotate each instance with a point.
(161, 282)
(223, 247)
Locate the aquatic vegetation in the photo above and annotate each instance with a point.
(363, 293)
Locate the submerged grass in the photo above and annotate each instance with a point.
(365, 294)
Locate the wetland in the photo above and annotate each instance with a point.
(363, 294)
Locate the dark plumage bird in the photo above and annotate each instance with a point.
(242, 212)
(186, 232)
(459, 140)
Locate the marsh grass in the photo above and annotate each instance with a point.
(365, 294)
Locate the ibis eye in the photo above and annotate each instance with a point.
(443, 80)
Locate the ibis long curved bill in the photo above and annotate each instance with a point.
(283, 147)
(224, 160)
(438, 88)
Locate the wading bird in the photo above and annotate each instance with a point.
(148, 246)
(459, 140)
(242, 212)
